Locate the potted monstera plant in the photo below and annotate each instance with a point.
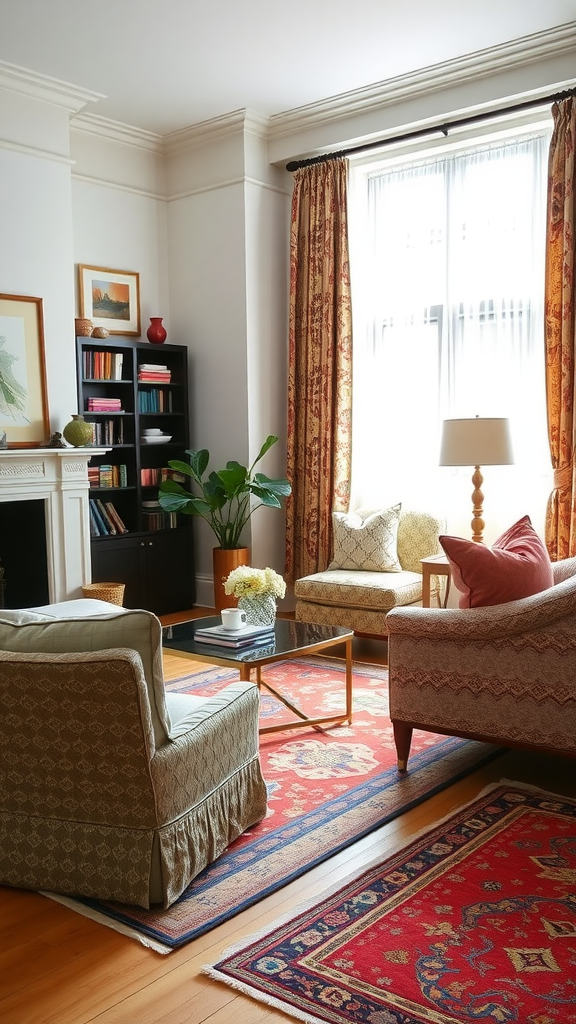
(226, 499)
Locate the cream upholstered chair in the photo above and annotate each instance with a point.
(360, 598)
(504, 673)
(109, 787)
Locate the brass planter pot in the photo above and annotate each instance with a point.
(224, 560)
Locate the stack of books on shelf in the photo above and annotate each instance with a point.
(107, 432)
(154, 517)
(107, 476)
(154, 373)
(104, 519)
(104, 405)
(102, 365)
(154, 477)
(155, 400)
(246, 636)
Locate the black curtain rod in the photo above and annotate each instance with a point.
(419, 133)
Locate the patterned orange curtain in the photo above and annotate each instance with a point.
(559, 331)
(320, 365)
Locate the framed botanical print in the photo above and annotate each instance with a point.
(24, 419)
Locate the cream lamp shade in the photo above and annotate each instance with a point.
(476, 442)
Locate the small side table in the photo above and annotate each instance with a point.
(434, 565)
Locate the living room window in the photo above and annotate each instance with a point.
(447, 260)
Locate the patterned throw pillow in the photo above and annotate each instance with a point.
(366, 542)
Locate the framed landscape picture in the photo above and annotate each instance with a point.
(24, 419)
(110, 299)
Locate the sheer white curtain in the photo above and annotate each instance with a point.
(447, 298)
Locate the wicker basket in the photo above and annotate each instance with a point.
(112, 592)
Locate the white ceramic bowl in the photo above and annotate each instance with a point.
(152, 432)
(154, 439)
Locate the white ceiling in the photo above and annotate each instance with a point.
(167, 64)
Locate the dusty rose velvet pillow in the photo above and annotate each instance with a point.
(517, 565)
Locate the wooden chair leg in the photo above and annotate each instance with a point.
(403, 740)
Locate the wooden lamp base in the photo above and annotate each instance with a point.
(477, 506)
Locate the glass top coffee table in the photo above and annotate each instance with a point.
(291, 640)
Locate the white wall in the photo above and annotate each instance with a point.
(119, 216)
(267, 196)
(36, 233)
(227, 246)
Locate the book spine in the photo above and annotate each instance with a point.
(107, 521)
(103, 530)
(94, 531)
(114, 516)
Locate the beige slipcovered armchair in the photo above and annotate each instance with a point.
(361, 598)
(110, 787)
(505, 673)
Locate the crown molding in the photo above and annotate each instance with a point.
(199, 134)
(527, 50)
(42, 87)
(115, 131)
(479, 64)
(216, 128)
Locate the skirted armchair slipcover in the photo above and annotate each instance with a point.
(109, 787)
(504, 673)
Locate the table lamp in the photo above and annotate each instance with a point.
(476, 442)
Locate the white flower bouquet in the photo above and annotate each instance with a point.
(244, 581)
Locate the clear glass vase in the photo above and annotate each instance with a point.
(260, 609)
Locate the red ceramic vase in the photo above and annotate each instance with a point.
(156, 333)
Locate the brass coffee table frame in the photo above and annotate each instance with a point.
(292, 640)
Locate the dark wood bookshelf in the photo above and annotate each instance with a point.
(154, 558)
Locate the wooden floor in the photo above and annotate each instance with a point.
(57, 967)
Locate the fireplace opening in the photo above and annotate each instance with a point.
(23, 554)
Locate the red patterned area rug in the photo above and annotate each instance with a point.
(473, 921)
(326, 789)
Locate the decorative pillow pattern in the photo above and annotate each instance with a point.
(517, 565)
(366, 542)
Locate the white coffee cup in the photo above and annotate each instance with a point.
(233, 618)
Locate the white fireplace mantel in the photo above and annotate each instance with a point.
(58, 477)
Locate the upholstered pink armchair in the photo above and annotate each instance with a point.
(505, 673)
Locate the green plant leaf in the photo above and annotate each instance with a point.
(214, 491)
(174, 486)
(280, 487)
(180, 467)
(270, 440)
(234, 481)
(224, 501)
(198, 462)
(267, 497)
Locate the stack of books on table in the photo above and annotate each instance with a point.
(246, 636)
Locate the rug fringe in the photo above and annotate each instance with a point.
(117, 926)
(249, 990)
(530, 789)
